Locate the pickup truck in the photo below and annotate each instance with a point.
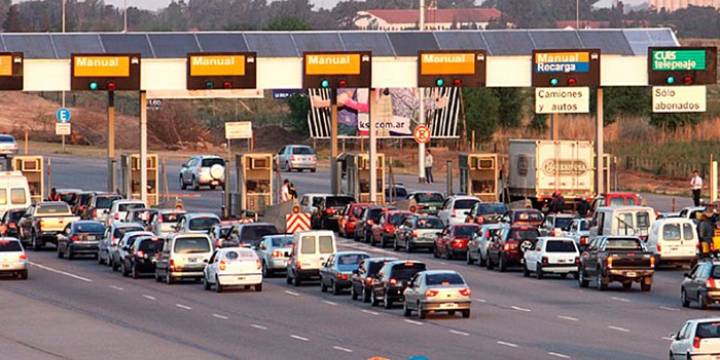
(616, 259)
(43, 221)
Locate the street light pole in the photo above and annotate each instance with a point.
(577, 14)
(421, 96)
(125, 23)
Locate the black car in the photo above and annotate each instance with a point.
(370, 216)
(392, 280)
(329, 211)
(362, 279)
(9, 222)
(142, 256)
(487, 213)
(80, 238)
(249, 235)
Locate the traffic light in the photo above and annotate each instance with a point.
(554, 82)
(342, 83)
(457, 82)
(93, 85)
(209, 85)
(572, 82)
(111, 86)
(325, 84)
(227, 85)
(670, 80)
(440, 82)
(688, 80)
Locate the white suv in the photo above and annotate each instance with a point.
(697, 339)
(203, 170)
(554, 255)
(456, 209)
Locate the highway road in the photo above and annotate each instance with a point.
(80, 310)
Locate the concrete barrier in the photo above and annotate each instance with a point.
(275, 214)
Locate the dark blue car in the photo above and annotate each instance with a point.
(336, 273)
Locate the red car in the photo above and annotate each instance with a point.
(349, 218)
(384, 232)
(452, 243)
(508, 248)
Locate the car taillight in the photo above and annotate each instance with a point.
(393, 282)
(652, 261)
(389, 229)
(117, 216)
(465, 292)
(658, 247)
(330, 211)
(415, 233)
(480, 220)
(292, 158)
(710, 283)
(258, 264)
(12, 226)
(277, 253)
(172, 265)
(369, 280)
(342, 276)
(140, 254)
(696, 342)
(23, 256)
(218, 243)
(609, 262)
(222, 265)
(74, 238)
(510, 245)
(160, 220)
(545, 260)
(583, 240)
(94, 213)
(456, 244)
(577, 260)
(431, 293)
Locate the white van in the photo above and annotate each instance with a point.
(622, 221)
(14, 191)
(310, 250)
(673, 240)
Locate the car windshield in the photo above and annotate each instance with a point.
(530, 234)
(282, 241)
(351, 259)
(253, 233)
(584, 225)
(464, 203)
(15, 216)
(202, 223)
(130, 206)
(444, 279)
(397, 219)
(374, 267)
(708, 330)
(192, 245)
(338, 201)
(623, 244)
(326, 245)
(89, 227)
(10, 246)
(406, 271)
(466, 230)
(170, 217)
(48, 209)
(302, 150)
(671, 232)
(528, 216)
(212, 161)
(104, 202)
(560, 246)
(120, 232)
(618, 201)
(563, 222)
(151, 246)
(485, 209)
(429, 223)
(429, 197)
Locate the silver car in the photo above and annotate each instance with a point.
(477, 247)
(197, 223)
(437, 291)
(13, 259)
(274, 251)
(164, 221)
(297, 157)
(203, 170)
(8, 145)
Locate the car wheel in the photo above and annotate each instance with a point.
(335, 289)
(296, 281)
(447, 254)
(123, 269)
(526, 271)
(323, 288)
(466, 314)
(422, 314)
(36, 245)
(69, 253)
(627, 285)
(258, 287)
(481, 260)
(600, 281)
(373, 300)
(406, 310)
(468, 259)
(647, 286)
(395, 245)
(115, 265)
(23, 275)
(134, 273)
(218, 287)
(502, 267)
(489, 263)
(539, 272)
(353, 293)
(205, 283)
(387, 303)
(365, 295)
(157, 276)
(408, 247)
(684, 299)
(182, 184)
(435, 252)
(702, 303)
(99, 259)
(313, 170)
(287, 167)
(60, 253)
(582, 281)
(266, 273)
(196, 184)
(288, 279)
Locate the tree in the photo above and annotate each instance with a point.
(299, 105)
(13, 23)
(287, 23)
(625, 101)
(482, 110)
(4, 9)
(512, 101)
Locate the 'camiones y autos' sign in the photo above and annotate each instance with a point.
(453, 68)
(207, 71)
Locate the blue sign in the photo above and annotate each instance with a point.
(562, 62)
(63, 115)
(282, 94)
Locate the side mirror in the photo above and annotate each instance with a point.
(686, 275)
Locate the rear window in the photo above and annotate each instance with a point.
(255, 233)
(326, 245)
(708, 330)
(464, 203)
(119, 232)
(3, 197)
(151, 246)
(282, 241)
(466, 230)
(584, 225)
(192, 245)
(374, 214)
(430, 223)
(308, 245)
(688, 232)
(560, 246)
(429, 197)
(406, 271)
(84, 199)
(485, 209)
(17, 196)
(47, 209)
(617, 202)
(211, 162)
(623, 244)
(528, 216)
(105, 202)
(375, 266)
(671, 231)
(171, 217)
(353, 259)
(397, 219)
(15, 216)
(235, 255)
(130, 206)
(338, 201)
(524, 234)
(10, 246)
(68, 198)
(643, 220)
(563, 223)
(302, 151)
(444, 279)
(203, 224)
(90, 227)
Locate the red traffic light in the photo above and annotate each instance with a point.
(572, 82)
(227, 85)
(457, 82)
(111, 86)
(688, 80)
(342, 83)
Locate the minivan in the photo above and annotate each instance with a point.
(183, 256)
(14, 191)
(622, 221)
(310, 249)
(673, 240)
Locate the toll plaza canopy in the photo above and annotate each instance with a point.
(279, 63)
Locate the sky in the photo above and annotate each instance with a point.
(155, 4)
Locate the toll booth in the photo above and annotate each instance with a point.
(254, 181)
(357, 177)
(481, 175)
(33, 168)
(609, 171)
(130, 172)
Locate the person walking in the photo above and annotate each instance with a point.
(583, 207)
(292, 191)
(428, 167)
(696, 183)
(285, 191)
(706, 233)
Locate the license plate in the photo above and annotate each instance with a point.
(448, 306)
(192, 260)
(5, 266)
(631, 274)
(432, 208)
(90, 238)
(561, 261)
(241, 278)
(215, 182)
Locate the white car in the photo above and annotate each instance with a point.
(233, 266)
(309, 202)
(673, 241)
(477, 247)
(13, 259)
(163, 223)
(119, 209)
(697, 339)
(456, 209)
(8, 145)
(297, 157)
(552, 255)
(557, 224)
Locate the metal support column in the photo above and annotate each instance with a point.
(111, 142)
(599, 143)
(143, 147)
(334, 183)
(372, 153)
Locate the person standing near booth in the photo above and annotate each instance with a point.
(696, 183)
(428, 167)
(285, 191)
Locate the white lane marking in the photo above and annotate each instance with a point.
(78, 277)
(297, 337)
(291, 293)
(669, 308)
(456, 332)
(570, 318)
(507, 344)
(520, 309)
(562, 356)
(618, 328)
(480, 300)
(442, 263)
(330, 303)
(620, 299)
(413, 322)
(185, 307)
(340, 348)
(260, 327)
(370, 312)
(151, 298)
(667, 338)
(117, 288)
(223, 317)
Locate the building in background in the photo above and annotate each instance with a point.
(672, 5)
(435, 19)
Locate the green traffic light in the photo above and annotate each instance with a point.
(325, 84)
(209, 85)
(670, 80)
(554, 82)
(440, 82)
(93, 85)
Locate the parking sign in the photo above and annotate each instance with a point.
(63, 115)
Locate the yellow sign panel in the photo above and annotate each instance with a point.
(332, 64)
(447, 64)
(102, 66)
(217, 65)
(6, 65)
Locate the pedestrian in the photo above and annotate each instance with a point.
(583, 207)
(54, 196)
(428, 167)
(706, 233)
(285, 191)
(696, 183)
(292, 191)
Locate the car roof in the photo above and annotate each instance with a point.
(465, 225)
(396, 262)
(171, 211)
(8, 238)
(625, 207)
(118, 224)
(127, 201)
(137, 233)
(199, 215)
(316, 232)
(463, 197)
(240, 226)
(68, 190)
(716, 319)
(547, 238)
(189, 235)
(351, 252)
(316, 194)
(440, 271)
(674, 220)
(87, 222)
(51, 203)
(381, 259)
(207, 156)
(571, 216)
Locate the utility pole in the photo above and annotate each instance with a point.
(421, 96)
(125, 23)
(577, 14)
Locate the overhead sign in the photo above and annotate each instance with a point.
(207, 71)
(673, 66)
(454, 68)
(11, 71)
(336, 69)
(551, 68)
(238, 130)
(679, 99)
(63, 115)
(562, 100)
(421, 134)
(105, 72)
(62, 129)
